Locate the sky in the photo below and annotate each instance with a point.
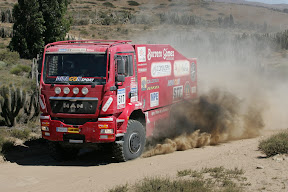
(271, 1)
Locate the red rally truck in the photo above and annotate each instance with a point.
(110, 91)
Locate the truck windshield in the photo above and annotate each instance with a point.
(75, 68)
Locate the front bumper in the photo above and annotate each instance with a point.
(101, 131)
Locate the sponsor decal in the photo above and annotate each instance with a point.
(154, 99)
(107, 104)
(193, 89)
(159, 111)
(177, 92)
(62, 50)
(141, 70)
(73, 50)
(141, 51)
(193, 72)
(181, 68)
(153, 87)
(62, 78)
(161, 69)
(152, 54)
(166, 54)
(187, 89)
(77, 50)
(67, 78)
(121, 98)
(103, 126)
(45, 123)
(174, 82)
(134, 92)
(152, 81)
(143, 83)
(62, 129)
(90, 50)
(142, 64)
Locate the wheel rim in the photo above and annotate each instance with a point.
(134, 143)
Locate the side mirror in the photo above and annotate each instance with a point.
(120, 78)
(120, 66)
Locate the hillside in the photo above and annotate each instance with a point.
(122, 19)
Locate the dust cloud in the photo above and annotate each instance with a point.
(242, 88)
(215, 117)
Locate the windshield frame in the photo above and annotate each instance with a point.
(76, 79)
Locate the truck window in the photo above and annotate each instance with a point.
(128, 65)
(87, 67)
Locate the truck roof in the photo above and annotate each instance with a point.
(82, 46)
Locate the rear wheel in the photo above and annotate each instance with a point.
(133, 144)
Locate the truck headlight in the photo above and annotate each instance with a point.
(57, 90)
(66, 90)
(75, 91)
(84, 91)
(45, 128)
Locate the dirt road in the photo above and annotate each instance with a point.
(31, 169)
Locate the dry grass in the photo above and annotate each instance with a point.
(208, 179)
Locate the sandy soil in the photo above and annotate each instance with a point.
(31, 169)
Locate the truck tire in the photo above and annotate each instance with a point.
(60, 153)
(133, 144)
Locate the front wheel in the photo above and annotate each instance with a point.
(133, 144)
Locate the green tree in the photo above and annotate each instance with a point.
(28, 29)
(38, 22)
(56, 23)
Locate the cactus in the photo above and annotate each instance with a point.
(31, 108)
(11, 102)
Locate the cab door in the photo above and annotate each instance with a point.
(127, 90)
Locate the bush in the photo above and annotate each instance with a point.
(133, 3)
(21, 133)
(20, 69)
(276, 144)
(10, 58)
(108, 4)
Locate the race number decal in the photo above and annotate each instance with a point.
(121, 99)
(177, 92)
(154, 99)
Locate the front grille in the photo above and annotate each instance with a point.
(73, 105)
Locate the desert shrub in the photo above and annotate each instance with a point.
(133, 3)
(108, 4)
(20, 69)
(80, 22)
(120, 188)
(276, 144)
(10, 58)
(84, 32)
(21, 133)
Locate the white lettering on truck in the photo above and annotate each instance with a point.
(161, 69)
(165, 54)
